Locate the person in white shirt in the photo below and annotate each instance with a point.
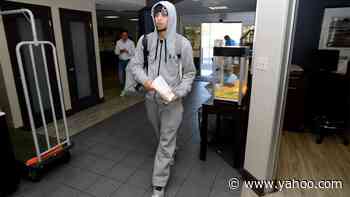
(125, 49)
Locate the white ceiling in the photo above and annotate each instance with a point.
(187, 7)
(120, 5)
(183, 7)
(125, 9)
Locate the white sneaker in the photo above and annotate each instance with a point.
(158, 193)
(122, 93)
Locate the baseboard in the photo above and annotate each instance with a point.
(247, 176)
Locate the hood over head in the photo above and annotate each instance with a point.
(170, 35)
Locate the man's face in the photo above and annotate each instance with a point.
(161, 21)
(124, 36)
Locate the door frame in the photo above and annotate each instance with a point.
(283, 88)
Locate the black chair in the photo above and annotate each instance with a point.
(330, 96)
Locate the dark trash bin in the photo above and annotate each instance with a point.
(10, 175)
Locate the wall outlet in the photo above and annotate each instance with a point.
(262, 63)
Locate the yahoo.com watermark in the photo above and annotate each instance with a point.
(280, 185)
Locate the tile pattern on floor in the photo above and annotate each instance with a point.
(91, 116)
(114, 158)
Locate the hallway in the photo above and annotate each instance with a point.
(115, 158)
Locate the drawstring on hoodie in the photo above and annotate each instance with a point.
(156, 49)
(166, 57)
(160, 55)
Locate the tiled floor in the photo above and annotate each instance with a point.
(93, 115)
(114, 158)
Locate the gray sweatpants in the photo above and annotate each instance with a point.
(166, 120)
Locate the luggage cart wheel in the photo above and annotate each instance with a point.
(66, 157)
(34, 174)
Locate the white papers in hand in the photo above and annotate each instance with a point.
(163, 89)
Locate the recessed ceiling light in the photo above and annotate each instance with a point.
(111, 17)
(218, 8)
(134, 19)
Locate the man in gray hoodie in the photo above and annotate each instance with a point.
(169, 56)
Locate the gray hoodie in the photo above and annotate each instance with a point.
(163, 58)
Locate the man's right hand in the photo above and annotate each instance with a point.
(148, 85)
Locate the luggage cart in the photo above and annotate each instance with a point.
(53, 153)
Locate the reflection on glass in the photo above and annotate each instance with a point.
(210, 32)
(25, 34)
(80, 55)
(231, 73)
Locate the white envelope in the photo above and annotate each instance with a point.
(162, 87)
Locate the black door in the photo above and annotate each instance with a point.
(18, 29)
(80, 57)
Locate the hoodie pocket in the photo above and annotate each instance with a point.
(173, 68)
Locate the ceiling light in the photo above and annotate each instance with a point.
(134, 19)
(111, 17)
(218, 8)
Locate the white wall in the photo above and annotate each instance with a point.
(8, 80)
(272, 22)
(247, 18)
(84, 5)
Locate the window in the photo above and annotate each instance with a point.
(210, 33)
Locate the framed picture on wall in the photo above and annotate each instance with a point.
(335, 34)
(339, 32)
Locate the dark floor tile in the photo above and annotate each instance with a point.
(141, 178)
(192, 189)
(147, 164)
(100, 165)
(76, 177)
(63, 190)
(174, 185)
(134, 159)
(103, 187)
(217, 192)
(120, 172)
(127, 190)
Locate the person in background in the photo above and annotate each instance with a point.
(125, 49)
(229, 41)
